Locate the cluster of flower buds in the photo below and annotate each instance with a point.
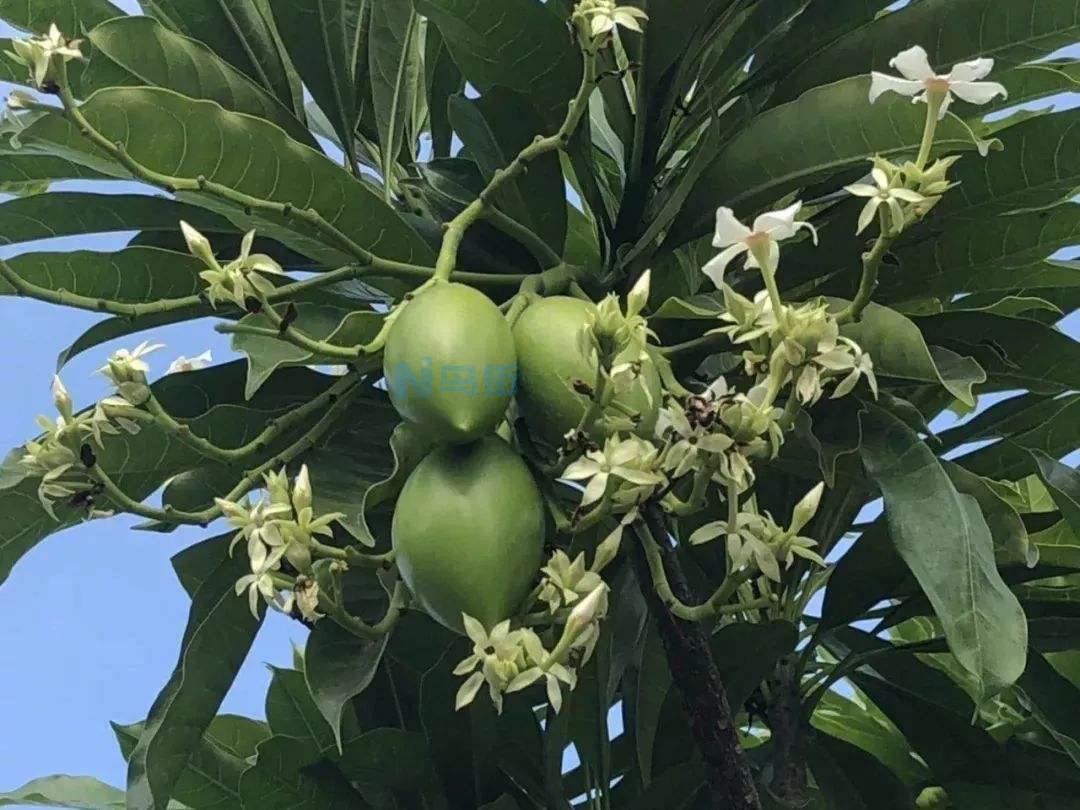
(238, 280)
(756, 539)
(280, 526)
(510, 661)
(39, 55)
(599, 18)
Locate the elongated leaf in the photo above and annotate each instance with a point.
(339, 667)
(135, 275)
(28, 173)
(73, 17)
(518, 44)
(1056, 435)
(899, 350)
(78, 792)
(285, 777)
(951, 30)
(1055, 701)
(135, 51)
(219, 634)
(241, 32)
(944, 540)
(320, 36)
(291, 712)
(200, 137)
(394, 67)
(444, 80)
(387, 758)
(494, 128)
(852, 778)
(71, 213)
(780, 151)
(1063, 483)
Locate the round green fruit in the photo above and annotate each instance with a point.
(468, 532)
(450, 364)
(551, 358)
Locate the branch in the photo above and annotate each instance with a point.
(479, 208)
(169, 514)
(871, 268)
(539, 249)
(729, 780)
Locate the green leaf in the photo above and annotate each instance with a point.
(139, 51)
(852, 778)
(409, 448)
(23, 173)
(135, 275)
(951, 30)
(653, 684)
(241, 33)
(328, 322)
(285, 777)
(517, 44)
(291, 712)
(219, 634)
(388, 758)
(443, 79)
(899, 350)
(778, 152)
(339, 667)
(113, 328)
(494, 129)
(1054, 701)
(72, 213)
(394, 66)
(1057, 434)
(80, 792)
(1012, 545)
(321, 37)
(944, 539)
(198, 142)
(73, 17)
(1064, 483)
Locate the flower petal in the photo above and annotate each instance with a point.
(467, 693)
(978, 92)
(882, 83)
(715, 267)
(971, 71)
(862, 190)
(779, 224)
(866, 218)
(729, 230)
(913, 64)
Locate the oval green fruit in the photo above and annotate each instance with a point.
(450, 363)
(468, 532)
(551, 358)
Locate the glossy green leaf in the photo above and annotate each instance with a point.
(196, 144)
(285, 777)
(1054, 701)
(24, 173)
(321, 38)
(899, 350)
(139, 51)
(242, 32)
(778, 153)
(394, 66)
(850, 777)
(339, 667)
(291, 712)
(1064, 484)
(73, 17)
(517, 44)
(944, 539)
(219, 634)
(387, 758)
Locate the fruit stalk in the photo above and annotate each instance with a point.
(729, 782)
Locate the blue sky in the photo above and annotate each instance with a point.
(91, 618)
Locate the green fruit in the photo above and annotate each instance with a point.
(469, 532)
(450, 364)
(551, 357)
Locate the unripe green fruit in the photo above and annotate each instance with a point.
(468, 532)
(551, 358)
(450, 364)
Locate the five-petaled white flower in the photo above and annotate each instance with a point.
(37, 54)
(919, 80)
(762, 242)
(604, 16)
(631, 460)
(182, 364)
(884, 191)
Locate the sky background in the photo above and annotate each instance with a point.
(91, 619)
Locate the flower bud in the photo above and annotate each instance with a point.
(639, 296)
(301, 494)
(199, 245)
(62, 399)
(587, 611)
(806, 508)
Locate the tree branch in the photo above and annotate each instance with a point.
(729, 781)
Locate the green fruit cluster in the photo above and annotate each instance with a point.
(468, 529)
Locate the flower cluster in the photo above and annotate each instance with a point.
(602, 17)
(127, 371)
(38, 54)
(624, 473)
(281, 526)
(510, 661)
(757, 540)
(238, 280)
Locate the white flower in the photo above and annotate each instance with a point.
(762, 242)
(605, 16)
(919, 80)
(127, 371)
(566, 582)
(883, 191)
(183, 364)
(238, 279)
(630, 460)
(694, 441)
(37, 54)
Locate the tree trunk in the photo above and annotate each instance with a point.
(727, 772)
(789, 733)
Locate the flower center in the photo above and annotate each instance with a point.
(757, 240)
(937, 84)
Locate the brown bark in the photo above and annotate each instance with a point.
(729, 781)
(789, 733)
